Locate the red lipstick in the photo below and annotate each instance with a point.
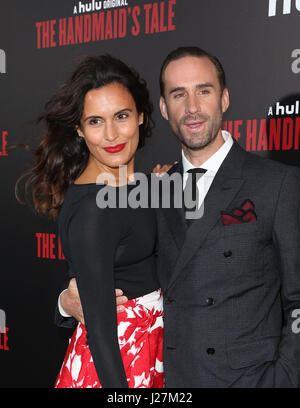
(115, 149)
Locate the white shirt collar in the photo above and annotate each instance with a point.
(214, 162)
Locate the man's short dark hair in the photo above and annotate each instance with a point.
(182, 52)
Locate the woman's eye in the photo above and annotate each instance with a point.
(122, 116)
(94, 122)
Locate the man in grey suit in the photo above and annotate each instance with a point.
(231, 278)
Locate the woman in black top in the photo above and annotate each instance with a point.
(95, 122)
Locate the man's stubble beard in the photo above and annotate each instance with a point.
(209, 136)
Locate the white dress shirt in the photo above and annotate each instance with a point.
(212, 165)
(60, 308)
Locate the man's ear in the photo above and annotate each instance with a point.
(80, 134)
(163, 108)
(225, 100)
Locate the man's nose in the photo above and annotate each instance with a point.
(192, 104)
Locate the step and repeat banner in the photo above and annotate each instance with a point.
(258, 42)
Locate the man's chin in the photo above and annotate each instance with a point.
(195, 146)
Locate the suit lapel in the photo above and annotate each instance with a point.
(175, 216)
(224, 188)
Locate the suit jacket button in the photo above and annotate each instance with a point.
(210, 301)
(227, 254)
(169, 300)
(210, 351)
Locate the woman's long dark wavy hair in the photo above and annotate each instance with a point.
(62, 155)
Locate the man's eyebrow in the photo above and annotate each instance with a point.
(199, 86)
(178, 89)
(205, 85)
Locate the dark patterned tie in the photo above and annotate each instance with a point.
(190, 193)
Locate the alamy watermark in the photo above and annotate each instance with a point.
(2, 321)
(296, 323)
(151, 192)
(2, 62)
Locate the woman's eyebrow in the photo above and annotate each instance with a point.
(100, 117)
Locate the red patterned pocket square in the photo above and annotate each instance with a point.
(240, 215)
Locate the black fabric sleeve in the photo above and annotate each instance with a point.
(93, 235)
(61, 321)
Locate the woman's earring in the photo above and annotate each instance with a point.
(141, 119)
(80, 134)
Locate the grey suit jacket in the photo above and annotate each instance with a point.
(229, 291)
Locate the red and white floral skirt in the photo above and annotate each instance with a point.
(140, 335)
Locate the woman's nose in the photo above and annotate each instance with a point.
(110, 132)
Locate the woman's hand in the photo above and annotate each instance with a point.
(160, 170)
